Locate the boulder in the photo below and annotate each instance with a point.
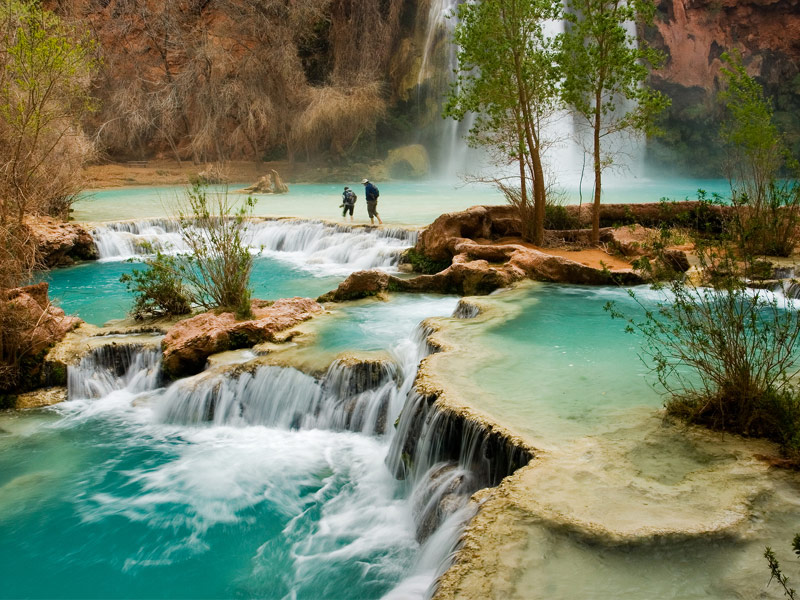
(360, 284)
(439, 240)
(408, 162)
(190, 342)
(33, 325)
(60, 243)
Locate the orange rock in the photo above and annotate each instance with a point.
(61, 243)
(191, 341)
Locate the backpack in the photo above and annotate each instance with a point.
(351, 197)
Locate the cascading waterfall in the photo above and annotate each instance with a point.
(115, 367)
(452, 155)
(442, 457)
(314, 245)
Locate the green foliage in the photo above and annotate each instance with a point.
(507, 77)
(775, 568)
(45, 74)
(214, 273)
(768, 209)
(603, 69)
(556, 216)
(158, 290)
(726, 355)
(422, 264)
(219, 262)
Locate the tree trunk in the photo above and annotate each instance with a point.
(539, 199)
(597, 172)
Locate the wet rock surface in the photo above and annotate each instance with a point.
(191, 341)
(42, 325)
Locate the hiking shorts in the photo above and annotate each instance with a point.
(372, 209)
(348, 208)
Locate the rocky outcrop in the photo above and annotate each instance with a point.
(60, 243)
(31, 325)
(482, 258)
(191, 341)
(471, 276)
(271, 183)
(439, 240)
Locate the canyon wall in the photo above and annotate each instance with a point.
(344, 80)
(210, 80)
(693, 34)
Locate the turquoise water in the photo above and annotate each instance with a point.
(374, 324)
(101, 502)
(401, 203)
(93, 292)
(560, 367)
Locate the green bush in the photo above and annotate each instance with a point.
(158, 290)
(557, 217)
(725, 354)
(219, 262)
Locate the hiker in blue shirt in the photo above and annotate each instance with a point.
(371, 193)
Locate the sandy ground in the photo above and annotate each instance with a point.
(169, 172)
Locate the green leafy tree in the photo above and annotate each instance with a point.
(507, 78)
(604, 70)
(45, 74)
(768, 209)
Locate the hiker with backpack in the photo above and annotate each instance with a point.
(348, 202)
(371, 193)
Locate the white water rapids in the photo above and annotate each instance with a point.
(321, 248)
(239, 428)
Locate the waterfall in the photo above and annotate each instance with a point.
(115, 367)
(452, 155)
(314, 245)
(442, 457)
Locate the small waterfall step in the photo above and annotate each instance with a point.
(307, 242)
(115, 366)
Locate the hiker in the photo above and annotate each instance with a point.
(348, 202)
(372, 193)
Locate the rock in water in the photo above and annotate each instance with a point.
(268, 184)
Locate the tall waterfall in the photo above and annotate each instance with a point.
(314, 245)
(568, 156)
(439, 57)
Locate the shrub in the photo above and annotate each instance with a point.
(768, 210)
(214, 273)
(723, 353)
(158, 290)
(218, 264)
(775, 568)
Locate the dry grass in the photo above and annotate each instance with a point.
(338, 117)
